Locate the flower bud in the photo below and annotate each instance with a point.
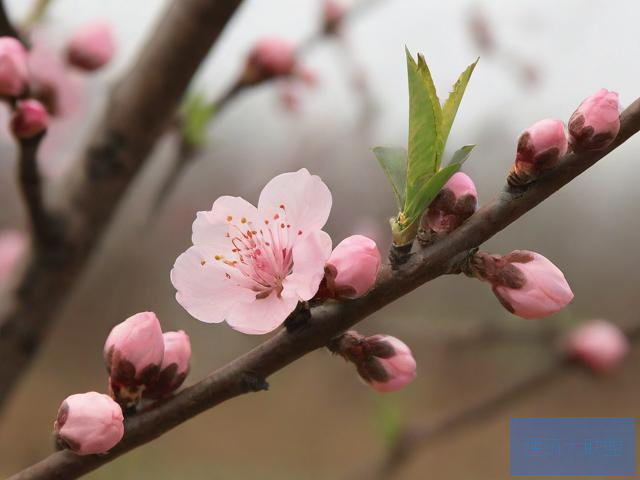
(175, 365)
(333, 13)
(456, 202)
(596, 122)
(13, 67)
(539, 149)
(270, 57)
(525, 283)
(599, 344)
(133, 354)
(89, 423)
(352, 267)
(382, 361)
(91, 47)
(29, 119)
(13, 244)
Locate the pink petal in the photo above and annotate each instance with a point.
(309, 258)
(305, 197)
(210, 227)
(261, 315)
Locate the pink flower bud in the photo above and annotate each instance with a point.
(539, 149)
(599, 344)
(526, 283)
(396, 365)
(175, 364)
(596, 122)
(89, 423)
(13, 244)
(456, 202)
(29, 119)
(91, 47)
(13, 67)
(333, 12)
(353, 267)
(133, 354)
(270, 57)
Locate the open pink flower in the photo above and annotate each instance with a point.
(251, 266)
(599, 344)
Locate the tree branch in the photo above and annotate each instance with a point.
(6, 27)
(314, 330)
(138, 109)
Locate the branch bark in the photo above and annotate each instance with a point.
(316, 328)
(6, 27)
(138, 109)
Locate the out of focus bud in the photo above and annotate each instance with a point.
(539, 149)
(596, 122)
(352, 267)
(133, 354)
(383, 362)
(456, 202)
(13, 244)
(29, 119)
(91, 47)
(89, 423)
(175, 365)
(333, 13)
(525, 283)
(270, 57)
(13, 67)
(599, 344)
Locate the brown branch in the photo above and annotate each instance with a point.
(138, 110)
(313, 330)
(6, 27)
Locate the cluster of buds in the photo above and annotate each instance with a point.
(599, 344)
(351, 269)
(455, 202)
(526, 283)
(382, 361)
(593, 126)
(141, 359)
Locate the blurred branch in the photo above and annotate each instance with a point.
(186, 153)
(138, 110)
(417, 436)
(309, 330)
(36, 13)
(6, 27)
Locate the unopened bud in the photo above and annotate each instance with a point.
(13, 67)
(133, 354)
(599, 344)
(456, 202)
(89, 423)
(540, 147)
(269, 58)
(30, 118)
(333, 13)
(525, 283)
(91, 47)
(352, 267)
(175, 365)
(596, 122)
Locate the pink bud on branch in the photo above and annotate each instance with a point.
(269, 58)
(596, 122)
(525, 283)
(89, 423)
(599, 344)
(352, 267)
(383, 362)
(539, 149)
(13, 67)
(333, 14)
(133, 355)
(91, 47)
(456, 202)
(30, 118)
(175, 365)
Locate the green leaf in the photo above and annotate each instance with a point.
(437, 109)
(393, 161)
(197, 113)
(452, 103)
(431, 188)
(389, 419)
(424, 112)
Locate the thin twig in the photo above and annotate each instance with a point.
(36, 13)
(250, 371)
(6, 27)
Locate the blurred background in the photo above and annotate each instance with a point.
(539, 58)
